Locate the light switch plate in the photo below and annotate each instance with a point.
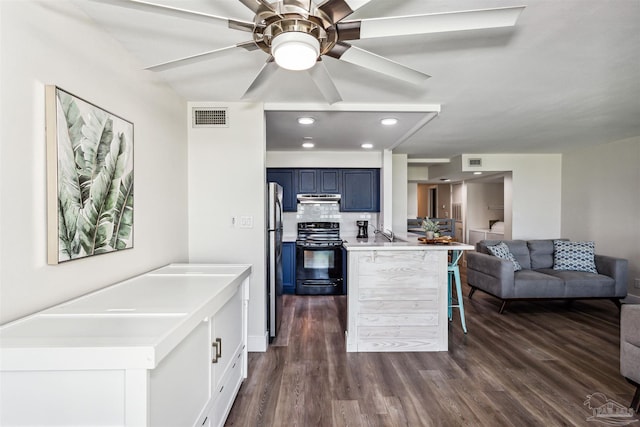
(246, 222)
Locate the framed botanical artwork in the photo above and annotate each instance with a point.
(89, 178)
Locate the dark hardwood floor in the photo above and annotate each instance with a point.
(532, 366)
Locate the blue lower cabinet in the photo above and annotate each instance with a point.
(289, 267)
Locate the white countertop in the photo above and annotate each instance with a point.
(289, 237)
(131, 324)
(404, 242)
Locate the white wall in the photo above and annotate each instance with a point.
(386, 191)
(412, 200)
(227, 179)
(55, 43)
(482, 201)
(324, 159)
(399, 186)
(601, 200)
(508, 201)
(536, 181)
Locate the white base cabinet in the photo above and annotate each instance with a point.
(167, 348)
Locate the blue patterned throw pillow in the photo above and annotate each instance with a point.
(576, 256)
(501, 250)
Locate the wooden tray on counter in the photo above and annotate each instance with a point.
(444, 240)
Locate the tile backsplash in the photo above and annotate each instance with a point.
(318, 212)
(326, 212)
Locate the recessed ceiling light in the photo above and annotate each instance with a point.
(306, 120)
(389, 121)
(367, 145)
(308, 144)
(477, 173)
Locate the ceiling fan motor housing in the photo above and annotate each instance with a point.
(292, 18)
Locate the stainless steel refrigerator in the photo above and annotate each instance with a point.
(274, 258)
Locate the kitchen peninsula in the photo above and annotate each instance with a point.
(397, 295)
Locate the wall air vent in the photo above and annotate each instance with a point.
(210, 118)
(475, 162)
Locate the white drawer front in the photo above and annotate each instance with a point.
(399, 320)
(226, 391)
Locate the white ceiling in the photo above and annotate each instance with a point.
(566, 76)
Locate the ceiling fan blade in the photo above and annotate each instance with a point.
(322, 79)
(297, 4)
(366, 59)
(205, 56)
(265, 73)
(180, 13)
(429, 23)
(254, 5)
(340, 9)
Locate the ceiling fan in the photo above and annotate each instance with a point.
(297, 34)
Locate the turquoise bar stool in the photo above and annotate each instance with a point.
(453, 271)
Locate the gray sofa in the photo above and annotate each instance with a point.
(630, 349)
(538, 279)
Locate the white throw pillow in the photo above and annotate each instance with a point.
(576, 256)
(501, 250)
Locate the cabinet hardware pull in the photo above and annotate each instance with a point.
(215, 353)
(219, 347)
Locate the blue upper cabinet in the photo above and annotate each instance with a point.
(329, 181)
(308, 181)
(319, 181)
(287, 178)
(360, 190)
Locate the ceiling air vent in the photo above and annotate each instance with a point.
(475, 162)
(210, 118)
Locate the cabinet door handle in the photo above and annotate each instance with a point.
(215, 353)
(219, 347)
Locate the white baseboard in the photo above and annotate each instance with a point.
(632, 299)
(258, 343)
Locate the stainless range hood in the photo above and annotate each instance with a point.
(318, 198)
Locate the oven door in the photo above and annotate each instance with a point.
(319, 270)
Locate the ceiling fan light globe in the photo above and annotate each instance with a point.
(295, 50)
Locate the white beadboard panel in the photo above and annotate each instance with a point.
(397, 301)
(411, 332)
(420, 281)
(426, 319)
(394, 269)
(380, 307)
(394, 345)
(393, 294)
